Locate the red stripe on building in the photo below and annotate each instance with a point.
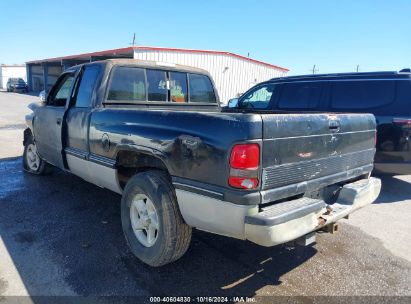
(120, 51)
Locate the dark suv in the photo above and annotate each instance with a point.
(387, 95)
(16, 85)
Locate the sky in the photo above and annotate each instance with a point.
(336, 36)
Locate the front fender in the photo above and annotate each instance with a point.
(26, 135)
(29, 120)
(30, 117)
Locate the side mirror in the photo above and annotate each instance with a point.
(232, 103)
(43, 96)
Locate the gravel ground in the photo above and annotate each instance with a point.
(60, 235)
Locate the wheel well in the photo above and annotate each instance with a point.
(130, 163)
(27, 133)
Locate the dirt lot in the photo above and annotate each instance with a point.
(62, 236)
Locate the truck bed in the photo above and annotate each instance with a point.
(300, 152)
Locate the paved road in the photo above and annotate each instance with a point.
(13, 108)
(62, 236)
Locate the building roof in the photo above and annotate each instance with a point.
(128, 51)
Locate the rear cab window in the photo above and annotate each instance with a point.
(157, 85)
(128, 85)
(178, 86)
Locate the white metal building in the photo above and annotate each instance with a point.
(233, 74)
(11, 71)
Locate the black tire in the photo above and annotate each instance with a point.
(173, 236)
(43, 168)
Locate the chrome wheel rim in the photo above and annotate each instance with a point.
(32, 158)
(144, 220)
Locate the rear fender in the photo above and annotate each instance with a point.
(131, 159)
(141, 149)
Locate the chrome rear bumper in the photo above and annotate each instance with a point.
(286, 222)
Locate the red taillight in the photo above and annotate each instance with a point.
(402, 121)
(243, 183)
(244, 162)
(245, 156)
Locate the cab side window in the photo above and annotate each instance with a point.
(61, 92)
(87, 83)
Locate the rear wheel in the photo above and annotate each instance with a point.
(31, 160)
(151, 220)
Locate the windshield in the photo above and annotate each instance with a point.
(17, 80)
(257, 98)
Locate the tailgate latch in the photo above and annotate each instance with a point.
(334, 125)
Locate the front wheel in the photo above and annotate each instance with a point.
(151, 219)
(32, 162)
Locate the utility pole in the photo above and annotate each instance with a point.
(134, 40)
(314, 69)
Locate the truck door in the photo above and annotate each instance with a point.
(80, 161)
(48, 121)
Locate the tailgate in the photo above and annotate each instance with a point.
(305, 151)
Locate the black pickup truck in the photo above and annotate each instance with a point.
(155, 133)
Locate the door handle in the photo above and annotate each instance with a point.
(58, 121)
